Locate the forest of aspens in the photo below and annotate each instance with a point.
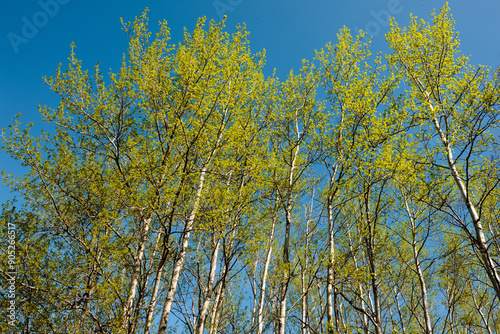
(190, 193)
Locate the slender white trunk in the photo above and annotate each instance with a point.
(213, 314)
(330, 279)
(260, 322)
(304, 302)
(217, 305)
(142, 299)
(418, 270)
(217, 308)
(376, 299)
(207, 294)
(331, 248)
(364, 317)
(253, 283)
(286, 274)
(90, 289)
(305, 288)
(128, 309)
(363, 308)
(179, 263)
(286, 247)
(152, 303)
(480, 239)
(370, 250)
(154, 297)
(341, 316)
(400, 314)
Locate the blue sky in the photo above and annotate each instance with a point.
(36, 37)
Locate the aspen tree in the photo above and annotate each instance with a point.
(454, 106)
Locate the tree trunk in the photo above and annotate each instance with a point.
(330, 288)
(400, 314)
(90, 289)
(305, 289)
(154, 297)
(364, 317)
(253, 284)
(304, 303)
(370, 250)
(207, 293)
(179, 263)
(219, 297)
(128, 309)
(286, 246)
(480, 240)
(418, 270)
(260, 322)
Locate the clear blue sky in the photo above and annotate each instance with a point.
(36, 37)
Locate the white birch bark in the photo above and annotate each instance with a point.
(208, 291)
(364, 317)
(400, 314)
(128, 309)
(219, 297)
(480, 239)
(418, 270)
(260, 311)
(179, 263)
(154, 297)
(330, 279)
(286, 248)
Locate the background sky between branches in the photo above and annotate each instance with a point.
(36, 37)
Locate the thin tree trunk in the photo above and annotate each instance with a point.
(217, 306)
(363, 308)
(341, 315)
(207, 293)
(364, 317)
(140, 305)
(214, 321)
(253, 283)
(286, 276)
(330, 284)
(91, 286)
(480, 239)
(128, 309)
(375, 291)
(418, 270)
(370, 250)
(400, 314)
(286, 246)
(304, 284)
(260, 323)
(154, 297)
(330, 288)
(219, 297)
(179, 263)
(304, 302)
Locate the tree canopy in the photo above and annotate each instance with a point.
(188, 192)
